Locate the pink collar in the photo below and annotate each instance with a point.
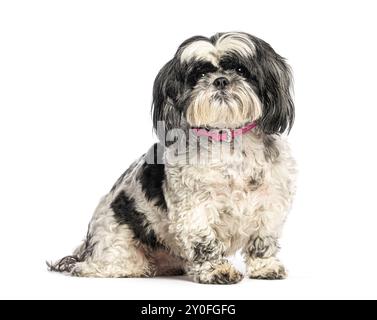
(226, 135)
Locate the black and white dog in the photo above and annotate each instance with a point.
(221, 178)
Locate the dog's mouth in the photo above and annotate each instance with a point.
(222, 96)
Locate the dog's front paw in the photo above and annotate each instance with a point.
(223, 273)
(267, 269)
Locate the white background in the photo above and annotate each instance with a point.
(75, 92)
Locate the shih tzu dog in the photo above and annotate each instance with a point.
(221, 178)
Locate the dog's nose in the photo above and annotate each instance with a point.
(221, 83)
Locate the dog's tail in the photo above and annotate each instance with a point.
(68, 263)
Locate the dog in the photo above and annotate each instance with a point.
(220, 179)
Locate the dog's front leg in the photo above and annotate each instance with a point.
(260, 258)
(262, 247)
(204, 253)
(208, 265)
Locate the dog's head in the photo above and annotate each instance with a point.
(224, 82)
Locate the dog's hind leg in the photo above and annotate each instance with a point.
(115, 256)
(110, 250)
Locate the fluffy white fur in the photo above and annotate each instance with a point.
(241, 105)
(231, 41)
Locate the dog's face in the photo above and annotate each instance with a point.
(224, 82)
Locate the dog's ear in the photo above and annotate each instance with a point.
(165, 95)
(275, 92)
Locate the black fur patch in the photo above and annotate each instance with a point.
(152, 177)
(125, 213)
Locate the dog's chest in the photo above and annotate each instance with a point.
(229, 194)
(239, 194)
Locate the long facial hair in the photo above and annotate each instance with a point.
(232, 108)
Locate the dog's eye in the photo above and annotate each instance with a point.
(241, 70)
(199, 72)
(244, 72)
